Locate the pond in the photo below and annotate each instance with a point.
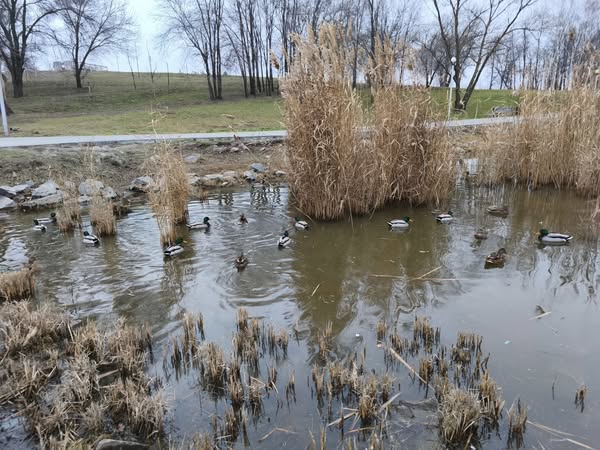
(352, 274)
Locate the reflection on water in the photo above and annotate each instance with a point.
(352, 273)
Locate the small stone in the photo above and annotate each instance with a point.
(113, 444)
(141, 184)
(191, 159)
(7, 191)
(280, 173)
(234, 149)
(248, 175)
(230, 174)
(6, 203)
(109, 193)
(21, 188)
(193, 179)
(84, 199)
(46, 189)
(214, 176)
(90, 187)
(47, 201)
(258, 167)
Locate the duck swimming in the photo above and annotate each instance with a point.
(496, 259)
(45, 220)
(445, 218)
(397, 224)
(481, 234)
(552, 238)
(39, 226)
(243, 219)
(174, 249)
(500, 211)
(204, 225)
(301, 224)
(241, 262)
(90, 239)
(284, 241)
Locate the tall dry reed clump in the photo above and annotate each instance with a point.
(68, 217)
(102, 215)
(556, 142)
(335, 168)
(171, 190)
(18, 285)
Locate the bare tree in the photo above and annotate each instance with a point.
(465, 24)
(198, 24)
(20, 26)
(91, 27)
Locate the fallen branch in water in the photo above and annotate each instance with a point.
(408, 366)
(282, 430)
(539, 316)
(566, 436)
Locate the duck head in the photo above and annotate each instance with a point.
(406, 219)
(286, 234)
(543, 232)
(179, 241)
(205, 220)
(297, 219)
(36, 222)
(450, 213)
(86, 233)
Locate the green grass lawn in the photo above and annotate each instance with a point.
(178, 103)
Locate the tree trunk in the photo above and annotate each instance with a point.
(78, 77)
(17, 82)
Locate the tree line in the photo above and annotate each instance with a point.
(498, 43)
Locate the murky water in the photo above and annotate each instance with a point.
(353, 274)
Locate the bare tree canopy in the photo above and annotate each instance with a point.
(472, 32)
(91, 27)
(20, 25)
(198, 23)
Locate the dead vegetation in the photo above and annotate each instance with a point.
(68, 217)
(102, 216)
(171, 190)
(18, 285)
(334, 169)
(556, 143)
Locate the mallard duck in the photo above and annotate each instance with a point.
(204, 225)
(496, 259)
(546, 237)
(496, 210)
(445, 218)
(243, 219)
(174, 249)
(397, 224)
(284, 241)
(301, 224)
(45, 220)
(38, 226)
(90, 239)
(241, 262)
(481, 234)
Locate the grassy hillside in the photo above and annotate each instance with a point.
(170, 104)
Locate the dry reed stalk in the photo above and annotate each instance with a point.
(334, 169)
(102, 216)
(459, 416)
(171, 190)
(18, 285)
(557, 142)
(517, 421)
(68, 217)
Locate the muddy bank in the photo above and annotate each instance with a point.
(118, 164)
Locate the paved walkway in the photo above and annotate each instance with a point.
(8, 142)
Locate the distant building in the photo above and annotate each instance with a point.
(68, 66)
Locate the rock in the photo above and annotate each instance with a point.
(258, 167)
(230, 174)
(193, 179)
(234, 149)
(192, 159)
(109, 192)
(280, 173)
(29, 183)
(7, 191)
(113, 444)
(44, 202)
(141, 184)
(45, 190)
(6, 203)
(21, 188)
(84, 199)
(248, 175)
(90, 187)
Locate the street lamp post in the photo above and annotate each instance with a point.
(453, 72)
(2, 105)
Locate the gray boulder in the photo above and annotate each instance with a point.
(248, 175)
(113, 444)
(84, 199)
(230, 174)
(7, 191)
(141, 184)
(21, 188)
(46, 189)
(90, 187)
(44, 202)
(193, 179)
(110, 193)
(258, 167)
(191, 159)
(6, 203)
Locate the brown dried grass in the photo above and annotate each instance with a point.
(556, 143)
(459, 415)
(18, 285)
(68, 217)
(335, 169)
(171, 190)
(102, 216)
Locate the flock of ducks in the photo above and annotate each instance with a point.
(495, 259)
(498, 258)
